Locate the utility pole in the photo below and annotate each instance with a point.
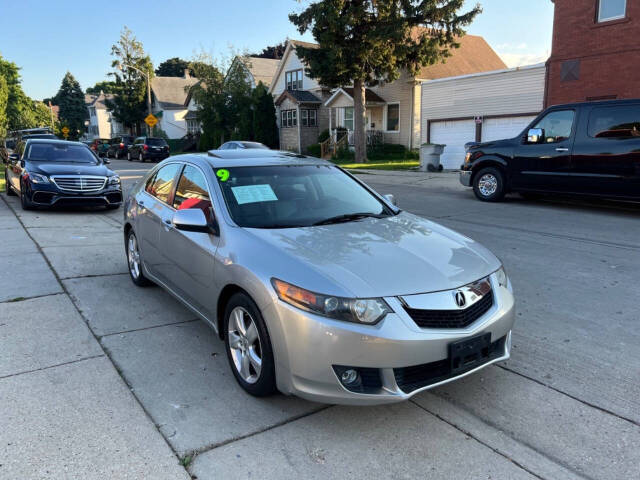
(147, 76)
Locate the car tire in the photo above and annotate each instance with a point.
(134, 260)
(140, 157)
(24, 201)
(10, 192)
(249, 353)
(489, 185)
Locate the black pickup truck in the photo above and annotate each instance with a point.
(582, 148)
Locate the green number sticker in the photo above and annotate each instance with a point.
(223, 174)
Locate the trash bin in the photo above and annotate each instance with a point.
(430, 157)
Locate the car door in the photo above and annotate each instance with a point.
(154, 211)
(543, 162)
(606, 154)
(190, 255)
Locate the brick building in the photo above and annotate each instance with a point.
(595, 53)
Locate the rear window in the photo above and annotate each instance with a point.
(156, 142)
(615, 122)
(49, 152)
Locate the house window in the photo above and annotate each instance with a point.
(348, 118)
(393, 117)
(193, 126)
(289, 118)
(611, 10)
(294, 80)
(308, 118)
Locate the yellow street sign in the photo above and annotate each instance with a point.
(151, 120)
(65, 131)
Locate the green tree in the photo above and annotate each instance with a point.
(4, 98)
(105, 86)
(129, 105)
(19, 109)
(42, 117)
(173, 67)
(364, 41)
(209, 96)
(265, 128)
(239, 104)
(272, 51)
(73, 111)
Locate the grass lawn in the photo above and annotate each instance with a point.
(380, 164)
(2, 186)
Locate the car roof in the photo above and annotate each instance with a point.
(253, 158)
(598, 103)
(54, 141)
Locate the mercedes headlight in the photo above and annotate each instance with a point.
(37, 178)
(114, 180)
(368, 311)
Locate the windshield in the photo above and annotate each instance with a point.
(254, 145)
(295, 196)
(156, 142)
(49, 152)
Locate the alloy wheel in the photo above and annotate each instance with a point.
(244, 342)
(133, 256)
(488, 184)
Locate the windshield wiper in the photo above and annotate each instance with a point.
(348, 218)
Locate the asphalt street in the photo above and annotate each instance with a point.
(566, 406)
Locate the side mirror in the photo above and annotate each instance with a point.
(535, 135)
(391, 199)
(191, 220)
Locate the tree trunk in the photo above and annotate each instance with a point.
(359, 138)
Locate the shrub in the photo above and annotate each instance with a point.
(314, 150)
(324, 135)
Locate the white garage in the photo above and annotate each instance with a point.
(505, 101)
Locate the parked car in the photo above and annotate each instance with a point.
(45, 172)
(148, 148)
(319, 286)
(241, 145)
(100, 146)
(582, 148)
(119, 146)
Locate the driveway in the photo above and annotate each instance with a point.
(566, 406)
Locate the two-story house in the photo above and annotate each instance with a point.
(595, 53)
(102, 124)
(170, 104)
(305, 108)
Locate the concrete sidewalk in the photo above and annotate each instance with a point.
(64, 410)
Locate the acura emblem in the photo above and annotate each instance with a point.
(460, 300)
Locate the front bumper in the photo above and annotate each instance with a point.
(49, 196)
(308, 348)
(465, 177)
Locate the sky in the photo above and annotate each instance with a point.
(48, 38)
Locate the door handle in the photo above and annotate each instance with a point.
(562, 149)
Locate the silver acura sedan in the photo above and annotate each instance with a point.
(319, 286)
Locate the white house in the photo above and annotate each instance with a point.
(479, 107)
(101, 122)
(169, 103)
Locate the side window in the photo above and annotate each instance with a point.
(193, 192)
(557, 126)
(161, 184)
(615, 122)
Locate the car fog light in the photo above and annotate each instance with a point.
(331, 304)
(349, 377)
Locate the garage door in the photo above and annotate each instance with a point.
(454, 134)
(499, 128)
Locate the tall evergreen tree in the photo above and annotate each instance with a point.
(265, 128)
(129, 105)
(365, 41)
(73, 111)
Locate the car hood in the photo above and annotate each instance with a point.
(391, 256)
(69, 169)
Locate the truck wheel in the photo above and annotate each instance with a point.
(488, 185)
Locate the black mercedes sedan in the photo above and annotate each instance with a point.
(46, 173)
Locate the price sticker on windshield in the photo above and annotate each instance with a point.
(223, 174)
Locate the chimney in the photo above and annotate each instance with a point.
(186, 73)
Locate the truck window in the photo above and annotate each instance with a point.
(557, 126)
(615, 122)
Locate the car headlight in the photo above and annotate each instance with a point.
(114, 180)
(359, 310)
(501, 276)
(37, 178)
